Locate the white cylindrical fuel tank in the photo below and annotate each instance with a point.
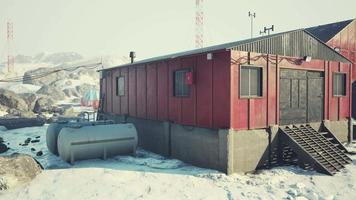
(54, 129)
(99, 141)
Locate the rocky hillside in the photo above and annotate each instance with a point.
(38, 95)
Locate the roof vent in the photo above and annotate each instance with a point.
(132, 56)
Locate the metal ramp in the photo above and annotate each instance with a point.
(314, 149)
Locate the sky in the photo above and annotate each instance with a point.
(97, 28)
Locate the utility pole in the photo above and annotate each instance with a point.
(251, 16)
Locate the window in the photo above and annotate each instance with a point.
(181, 88)
(120, 86)
(250, 81)
(339, 84)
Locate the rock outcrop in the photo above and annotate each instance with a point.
(17, 169)
(12, 100)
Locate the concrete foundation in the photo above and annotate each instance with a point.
(229, 151)
(153, 135)
(200, 146)
(250, 149)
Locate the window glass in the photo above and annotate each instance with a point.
(120, 86)
(251, 81)
(181, 88)
(339, 84)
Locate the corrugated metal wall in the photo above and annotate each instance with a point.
(262, 112)
(295, 43)
(149, 91)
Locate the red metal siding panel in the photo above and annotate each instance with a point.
(175, 103)
(258, 106)
(204, 82)
(132, 92)
(239, 107)
(151, 91)
(162, 90)
(109, 91)
(221, 89)
(189, 103)
(141, 92)
(326, 90)
(334, 101)
(271, 91)
(103, 94)
(124, 100)
(352, 36)
(345, 101)
(115, 99)
(344, 40)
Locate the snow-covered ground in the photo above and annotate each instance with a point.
(150, 176)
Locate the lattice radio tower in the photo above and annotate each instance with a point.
(199, 24)
(10, 40)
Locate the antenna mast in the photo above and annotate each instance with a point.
(199, 24)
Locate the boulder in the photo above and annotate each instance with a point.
(43, 104)
(17, 169)
(30, 99)
(3, 148)
(51, 91)
(10, 99)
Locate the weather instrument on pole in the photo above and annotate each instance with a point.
(251, 16)
(267, 30)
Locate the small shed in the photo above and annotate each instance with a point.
(222, 106)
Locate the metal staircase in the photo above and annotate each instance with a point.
(314, 148)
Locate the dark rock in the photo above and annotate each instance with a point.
(28, 140)
(3, 148)
(26, 144)
(40, 153)
(35, 141)
(33, 149)
(37, 137)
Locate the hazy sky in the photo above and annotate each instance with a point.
(152, 27)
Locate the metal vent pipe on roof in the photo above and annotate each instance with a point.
(132, 56)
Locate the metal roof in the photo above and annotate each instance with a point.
(297, 43)
(328, 31)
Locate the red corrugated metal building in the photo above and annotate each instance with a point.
(285, 78)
